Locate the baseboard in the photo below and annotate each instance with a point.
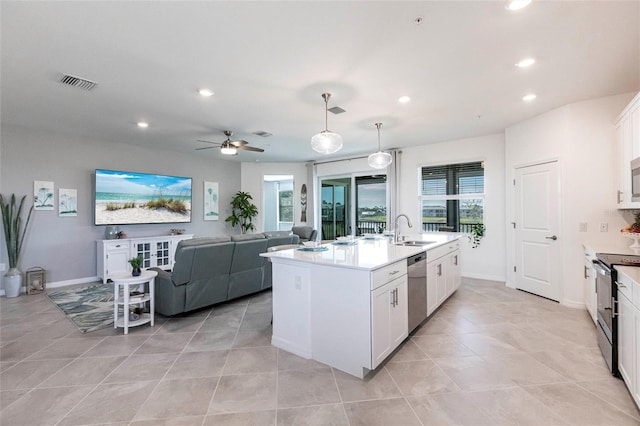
(485, 277)
(573, 304)
(65, 283)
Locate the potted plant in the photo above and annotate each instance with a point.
(136, 264)
(14, 234)
(477, 232)
(242, 211)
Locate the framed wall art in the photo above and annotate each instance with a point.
(67, 202)
(211, 210)
(42, 195)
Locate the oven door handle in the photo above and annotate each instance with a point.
(600, 269)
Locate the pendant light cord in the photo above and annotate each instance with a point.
(326, 97)
(378, 125)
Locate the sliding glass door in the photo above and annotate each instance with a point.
(335, 208)
(371, 204)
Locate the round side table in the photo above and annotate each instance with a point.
(126, 280)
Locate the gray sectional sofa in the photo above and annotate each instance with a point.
(213, 270)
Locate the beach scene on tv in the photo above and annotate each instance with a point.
(129, 198)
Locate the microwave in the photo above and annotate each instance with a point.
(635, 179)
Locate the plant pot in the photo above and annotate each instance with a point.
(136, 272)
(12, 282)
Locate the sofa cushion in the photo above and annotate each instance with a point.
(306, 233)
(203, 240)
(271, 234)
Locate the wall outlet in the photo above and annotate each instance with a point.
(298, 282)
(604, 227)
(583, 226)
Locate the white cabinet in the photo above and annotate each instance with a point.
(443, 274)
(113, 255)
(453, 276)
(389, 318)
(628, 314)
(626, 341)
(627, 147)
(589, 283)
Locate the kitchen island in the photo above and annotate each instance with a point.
(346, 304)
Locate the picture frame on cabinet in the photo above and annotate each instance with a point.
(210, 197)
(67, 202)
(43, 195)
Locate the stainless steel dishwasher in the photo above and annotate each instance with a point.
(417, 289)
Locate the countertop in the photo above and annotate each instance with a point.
(632, 272)
(368, 253)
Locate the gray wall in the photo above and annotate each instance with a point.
(65, 246)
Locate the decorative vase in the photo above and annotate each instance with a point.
(12, 282)
(136, 272)
(111, 232)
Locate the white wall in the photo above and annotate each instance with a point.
(488, 260)
(65, 246)
(252, 175)
(581, 136)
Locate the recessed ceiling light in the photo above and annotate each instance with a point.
(206, 92)
(517, 4)
(527, 62)
(529, 97)
(404, 99)
(143, 124)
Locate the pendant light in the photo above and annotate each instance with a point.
(326, 142)
(379, 160)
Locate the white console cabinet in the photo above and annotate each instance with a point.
(113, 255)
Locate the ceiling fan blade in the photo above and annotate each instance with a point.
(250, 148)
(206, 147)
(212, 143)
(239, 143)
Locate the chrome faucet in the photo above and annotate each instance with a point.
(396, 233)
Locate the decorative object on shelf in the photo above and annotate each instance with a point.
(67, 202)
(211, 210)
(242, 211)
(133, 316)
(303, 203)
(477, 232)
(111, 232)
(177, 231)
(635, 237)
(136, 264)
(42, 195)
(121, 235)
(379, 160)
(326, 142)
(36, 280)
(14, 234)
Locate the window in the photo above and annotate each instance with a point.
(285, 212)
(452, 196)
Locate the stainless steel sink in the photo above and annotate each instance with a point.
(415, 243)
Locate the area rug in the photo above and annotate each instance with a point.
(90, 308)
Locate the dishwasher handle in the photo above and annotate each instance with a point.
(416, 258)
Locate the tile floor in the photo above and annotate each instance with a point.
(490, 356)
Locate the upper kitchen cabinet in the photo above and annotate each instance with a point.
(627, 148)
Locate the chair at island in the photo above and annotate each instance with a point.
(306, 233)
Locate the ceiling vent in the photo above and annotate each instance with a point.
(337, 110)
(262, 133)
(81, 83)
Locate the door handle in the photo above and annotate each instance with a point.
(553, 237)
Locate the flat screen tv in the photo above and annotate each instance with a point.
(125, 198)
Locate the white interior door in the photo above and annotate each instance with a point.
(537, 216)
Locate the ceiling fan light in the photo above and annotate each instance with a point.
(227, 149)
(379, 160)
(326, 142)
(517, 4)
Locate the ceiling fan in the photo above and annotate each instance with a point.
(229, 147)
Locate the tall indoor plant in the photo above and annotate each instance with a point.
(14, 234)
(242, 211)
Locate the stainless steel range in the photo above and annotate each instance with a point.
(607, 295)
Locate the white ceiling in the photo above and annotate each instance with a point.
(269, 63)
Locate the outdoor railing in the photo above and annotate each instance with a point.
(375, 227)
